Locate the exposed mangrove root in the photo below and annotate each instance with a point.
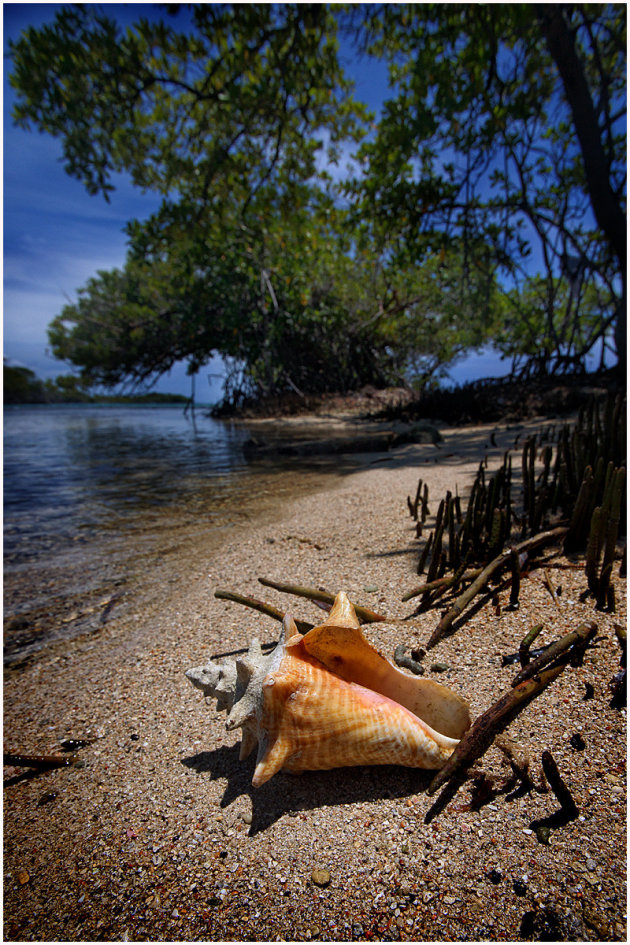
(582, 487)
(576, 642)
(263, 608)
(524, 649)
(424, 554)
(618, 684)
(490, 571)
(559, 788)
(40, 762)
(515, 591)
(516, 657)
(484, 730)
(603, 535)
(364, 614)
(495, 720)
(551, 589)
(444, 582)
(421, 500)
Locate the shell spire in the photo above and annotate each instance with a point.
(328, 699)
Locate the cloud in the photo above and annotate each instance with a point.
(56, 236)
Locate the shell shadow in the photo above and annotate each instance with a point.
(295, 793)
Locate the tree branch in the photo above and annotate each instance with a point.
(561, 44)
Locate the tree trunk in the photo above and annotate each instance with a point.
(607, 209)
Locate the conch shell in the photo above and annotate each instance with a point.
(328, 699)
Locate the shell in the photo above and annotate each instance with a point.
(328, 699)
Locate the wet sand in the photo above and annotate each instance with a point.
(158, 834)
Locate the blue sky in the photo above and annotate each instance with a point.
(56, 236)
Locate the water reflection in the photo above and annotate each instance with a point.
(85, 463)
(92, 494)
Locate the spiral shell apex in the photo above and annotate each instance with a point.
(328, 699)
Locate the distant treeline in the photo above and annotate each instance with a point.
(22, 386)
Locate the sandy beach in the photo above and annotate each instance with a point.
(157, 834)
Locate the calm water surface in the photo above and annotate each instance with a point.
(71, 467)
(89, 488)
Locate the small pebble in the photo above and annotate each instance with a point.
(47, 798)
(321, 877)
(520, 887)
(370, 588)
(246, 816)
(495, 876)
(438, 667)
(73, 744)
(576, 741)
(542, 834)
(23, 878)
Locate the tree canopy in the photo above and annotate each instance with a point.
(486, 201)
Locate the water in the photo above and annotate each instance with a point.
(90, 491)
(71, 467)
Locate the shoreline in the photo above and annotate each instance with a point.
(160, 835)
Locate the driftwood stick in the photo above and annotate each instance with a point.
(363, 613)
(443, 582)
(484, 730)
(495, 566)
(261, 607)
(526, 642)
(557, 785)
(41, 762)
(576, 640)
